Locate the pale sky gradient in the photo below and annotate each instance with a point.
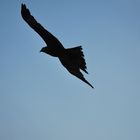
(40, 100)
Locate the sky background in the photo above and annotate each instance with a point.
(40, 100)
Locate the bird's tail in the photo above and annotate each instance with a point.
(77, 57)
(74, 61)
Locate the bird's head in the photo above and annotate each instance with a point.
(53, 51)
(47, 50)
(44, 49)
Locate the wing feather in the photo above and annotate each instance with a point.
(74, 70)
(46, 36)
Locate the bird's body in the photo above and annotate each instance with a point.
(72, 59)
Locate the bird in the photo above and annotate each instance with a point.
(71, 58)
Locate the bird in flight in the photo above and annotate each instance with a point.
(72, 58)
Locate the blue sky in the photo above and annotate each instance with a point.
(40, 100)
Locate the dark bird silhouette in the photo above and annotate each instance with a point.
(72, 58)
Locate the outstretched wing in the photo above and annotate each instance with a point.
(50, 40)
(74, 70)
(79, 75)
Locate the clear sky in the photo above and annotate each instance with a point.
(40, 100)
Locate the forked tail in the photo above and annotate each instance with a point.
(77, 57)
